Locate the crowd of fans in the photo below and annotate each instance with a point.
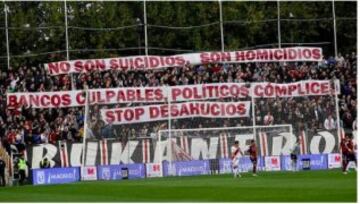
(24, 126)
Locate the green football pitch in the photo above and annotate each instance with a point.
(304, 186)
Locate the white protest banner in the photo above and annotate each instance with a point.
(63, 99)
(156, 62)
(301, 88)
(150, 113)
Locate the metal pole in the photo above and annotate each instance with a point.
(337, 88)
(159, 147)
(86, 115)
(66, 31)
(139, 42)
(221, 26)
(67, 43)
(145, 29)
(7, 35)
(170, 168)
(279, 23)
(334, 18)
(292, 133)
(253, 115)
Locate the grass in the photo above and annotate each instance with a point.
(304, 186)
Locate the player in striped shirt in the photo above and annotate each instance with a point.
(235, 156)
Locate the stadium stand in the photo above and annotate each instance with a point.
(22, 127)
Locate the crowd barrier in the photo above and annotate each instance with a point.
(180, 168)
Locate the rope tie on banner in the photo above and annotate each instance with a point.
(176, 27)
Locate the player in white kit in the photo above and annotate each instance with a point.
(235, 156)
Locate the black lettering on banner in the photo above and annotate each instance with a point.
(321, 139)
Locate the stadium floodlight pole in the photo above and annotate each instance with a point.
(279, 23)
(67, 43)
(6, 9)
(169, 134)
(86, 115)
(159, 147)
(334, 18)
(221, 26)
(336, 89)
(292, 133)
(145, 29)
(66, 31)
(253, 115)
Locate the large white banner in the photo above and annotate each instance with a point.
(132, 151)
(150, 113)
(75, 98)
(156, 62)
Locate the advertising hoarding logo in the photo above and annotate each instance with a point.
(337, 158)
(89, 173)
(188, 168)
(105, 174)
(334, 161)
(318, 161)
(272, 163)
(154, 170)
(156, 167)
(114, 172)
(135, 170)
(40, 177)
(55, 175)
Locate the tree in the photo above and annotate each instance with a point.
(39, 27)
